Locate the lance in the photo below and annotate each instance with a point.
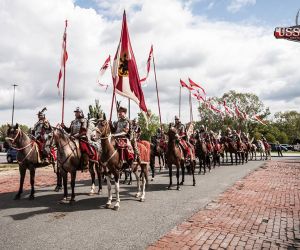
(191, 106)
(158, 103)
(64, 72)
(114, 93)
(129, 108)
(179, 102)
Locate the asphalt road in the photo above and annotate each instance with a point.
(3, 158)
(45, 224)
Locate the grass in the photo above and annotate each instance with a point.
(8, 166)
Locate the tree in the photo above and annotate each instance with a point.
(153, 125)
(3, 130)
(95, 111)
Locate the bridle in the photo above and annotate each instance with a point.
(16, 136)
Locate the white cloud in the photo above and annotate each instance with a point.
(220, 55)
(235, 5)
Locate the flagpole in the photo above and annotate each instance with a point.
(114, 93)
(179, 102)
(129, 108)
(158, 103)
(64, 80)
(191, 107)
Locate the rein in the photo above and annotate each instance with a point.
(13, 139)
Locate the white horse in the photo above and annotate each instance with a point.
(264, 152)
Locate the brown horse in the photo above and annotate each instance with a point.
(27, 156)
(231, 148)
(202, 154)
(69, 159)
(175, 156)
(112, 164)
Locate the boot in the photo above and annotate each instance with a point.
(85, 162)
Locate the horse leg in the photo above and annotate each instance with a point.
(32, 175)
(152, 166)
(200, 165)
(182, 173)
(117, 188)
(170, 175)
(93, 176)
(144, 180)
(193, 166)
(99, 175)
(108, 203)
(177, 174)
(64, 175)
(138, 194)
(73, 177)
(130, 178)
(58, 181)
(159, 162)
(209, 163)
(22, 171)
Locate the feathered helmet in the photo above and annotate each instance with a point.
(41, 113)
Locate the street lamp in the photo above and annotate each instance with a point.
(13, 107)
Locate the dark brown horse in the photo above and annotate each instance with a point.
(69, 159)
(175, 156)
(202, 154)
(112, 164)
(27, 156)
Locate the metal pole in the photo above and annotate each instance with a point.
(114, 93)
(191, 107)
(13, 107)
(179, 102)
(158, 103)
(129, 108)
(64, 83)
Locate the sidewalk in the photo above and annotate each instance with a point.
(259, 212)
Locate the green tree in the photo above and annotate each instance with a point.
(95, 111)
(153, 125)
(4, 127)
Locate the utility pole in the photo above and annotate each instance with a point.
(13, 107)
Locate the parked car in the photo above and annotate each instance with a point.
(11, 155)
(274, 147)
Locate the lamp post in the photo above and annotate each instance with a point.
(13, 107)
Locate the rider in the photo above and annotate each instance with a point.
(121, 130)
(181, 131)
(78, 130)
(244, 137)
(135, 137)
(39, 130)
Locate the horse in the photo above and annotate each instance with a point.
(69, 160)
(112, 165)
(28, 157)
(263, 150)
(202, 155)
(174, 155)
(231, 148)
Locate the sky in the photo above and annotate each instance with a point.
(221, 44)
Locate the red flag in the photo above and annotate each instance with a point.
(148, 64)
(64, 54)
(125, 73)
(183, 84)
(198, 96)
(102, 71)
(195, 85)
(227, 110)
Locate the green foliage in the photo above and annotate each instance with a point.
(153, 124)
(3, 130)
(95, 111)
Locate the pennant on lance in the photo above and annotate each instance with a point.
(183, 84)
(125, 73)
(148, 64)
(197, 86)
(64, 55)
(102, 71)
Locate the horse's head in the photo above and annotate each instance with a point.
(172, 133)
(12, 134)
(51, 139)
(103, 127)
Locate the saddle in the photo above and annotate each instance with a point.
(91, 151)
(125, 149)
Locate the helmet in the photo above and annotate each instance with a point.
(41, 113)
(176, 118)
(79, 110)
(122, 109)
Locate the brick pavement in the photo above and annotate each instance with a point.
(9, 180)
(260, 211)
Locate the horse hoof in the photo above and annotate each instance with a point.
(129, 183)
(100, 192)
(181, 183)
(108, 206)
(142, 199)
(152, 179)
(116, 208)
(72, 201)
(17, 197)
(169, 187)
(31, 197)
(64, 201)
(194, 184)
(57, 189)
(178, 188)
